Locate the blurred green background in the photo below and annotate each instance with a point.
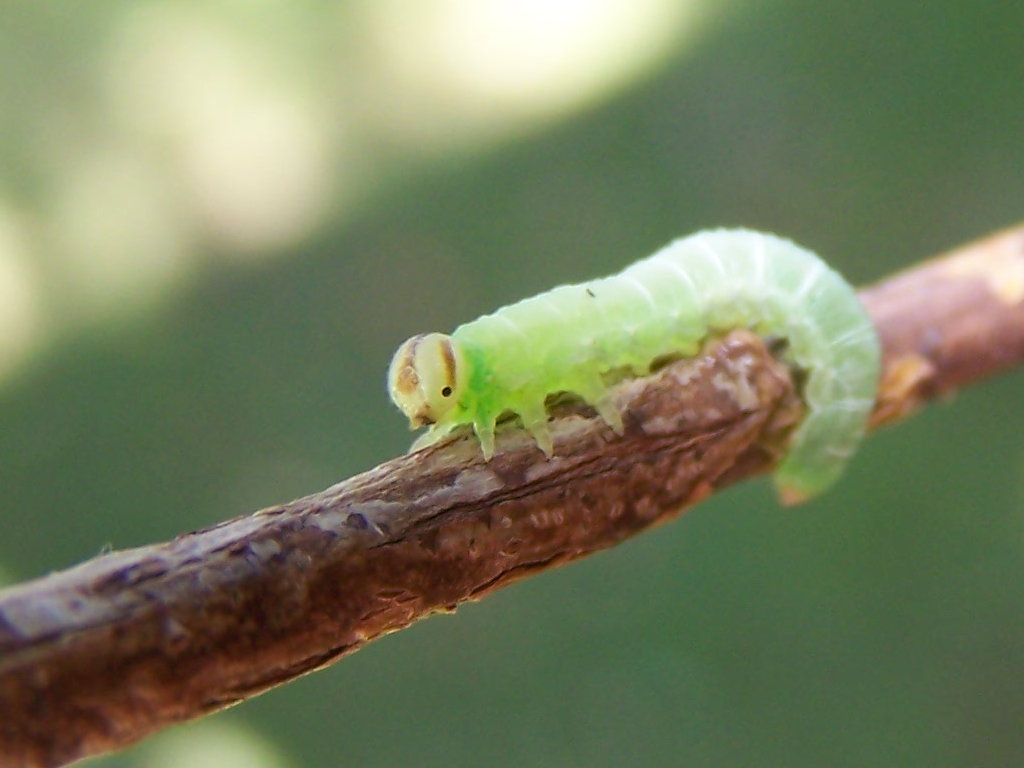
(218, 219)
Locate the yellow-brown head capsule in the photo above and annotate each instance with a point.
(426, 378)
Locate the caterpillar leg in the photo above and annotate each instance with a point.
(536, 423)
(596, 395)
(606, 410)
(484, 430)
(429, 437)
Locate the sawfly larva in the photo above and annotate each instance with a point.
(566, 339)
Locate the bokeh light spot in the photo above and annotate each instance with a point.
(246, 140)
(212, 744)
(20, 317)
(464, 64)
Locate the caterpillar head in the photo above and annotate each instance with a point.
(427, 377)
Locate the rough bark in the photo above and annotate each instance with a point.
(96, 657)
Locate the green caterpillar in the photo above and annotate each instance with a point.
(566, 339)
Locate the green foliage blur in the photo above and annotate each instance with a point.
(202, 290)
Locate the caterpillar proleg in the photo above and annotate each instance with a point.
(564, 340)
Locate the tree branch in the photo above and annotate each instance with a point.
(96, 657)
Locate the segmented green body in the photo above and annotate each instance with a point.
(567, 338)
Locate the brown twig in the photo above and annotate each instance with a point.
(949, 322)
(98, 656)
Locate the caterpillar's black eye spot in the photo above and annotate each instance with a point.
(591, 294)
(446, 392)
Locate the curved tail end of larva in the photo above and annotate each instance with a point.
(792, 489)
(791, 495)
(812, 466)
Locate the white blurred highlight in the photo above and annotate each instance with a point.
(120, 232)
(471, 64)
(20, 317)
(248, 145)
(211, 744)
